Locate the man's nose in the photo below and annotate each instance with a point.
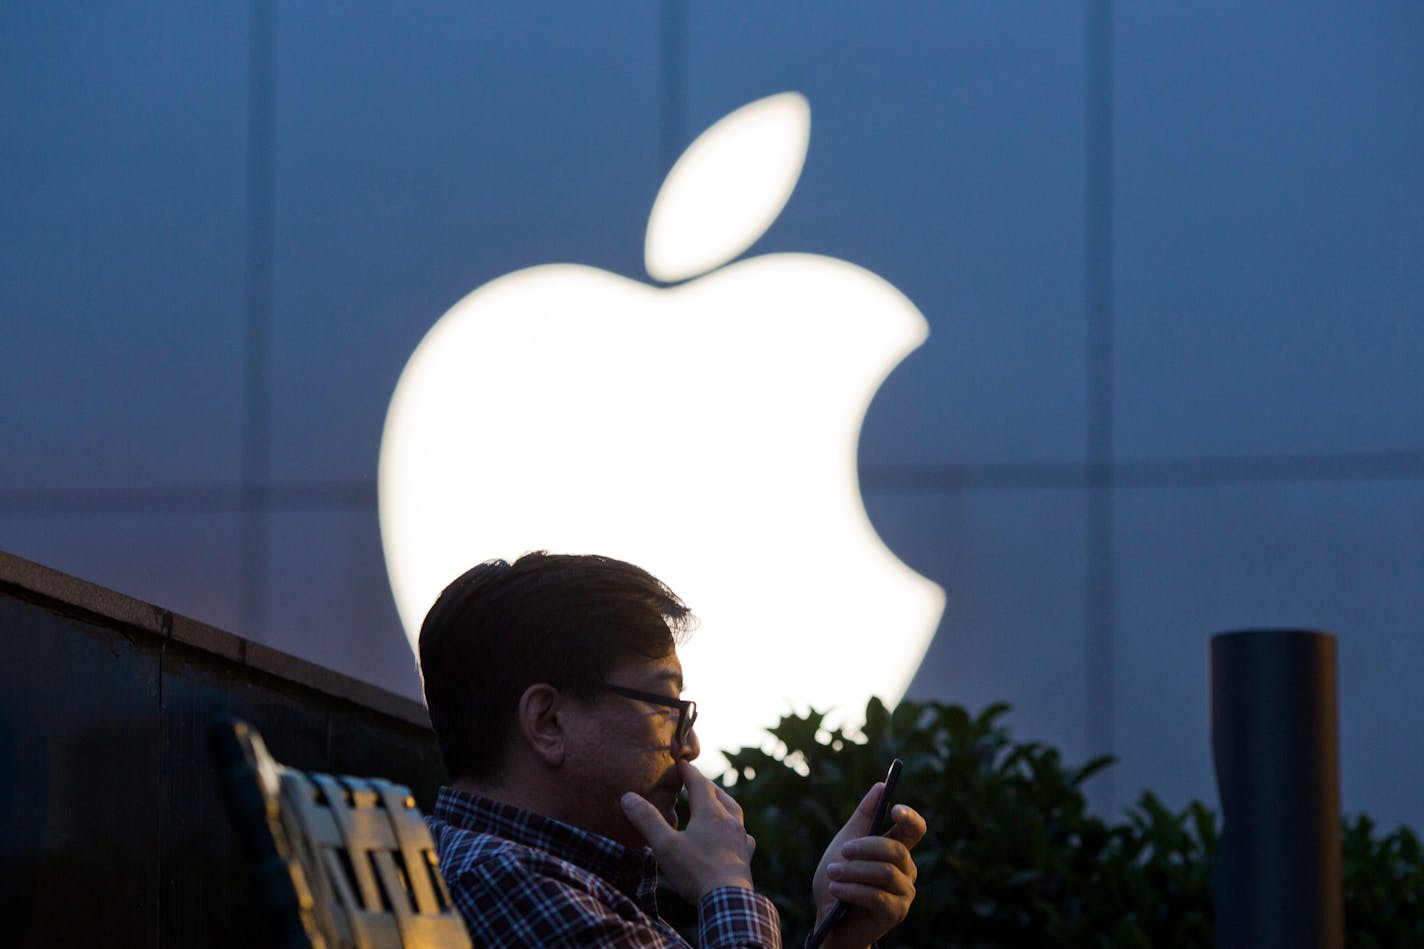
(690, 748)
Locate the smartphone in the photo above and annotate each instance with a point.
(877, 828)
(882, 806)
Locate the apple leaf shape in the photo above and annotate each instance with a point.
(728, 187)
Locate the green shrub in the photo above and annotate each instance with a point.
(1384, 887)
(1013, 856)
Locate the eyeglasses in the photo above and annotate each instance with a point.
(686, 711)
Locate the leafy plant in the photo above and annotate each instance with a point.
(1013, 856)
(1384, 887)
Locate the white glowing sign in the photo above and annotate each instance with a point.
(706, 431)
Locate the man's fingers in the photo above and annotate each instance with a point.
(909, 827)
(885, 851)
(647, 819)
(889, 909)
(887, 875)
(729, 802)
(700, 791)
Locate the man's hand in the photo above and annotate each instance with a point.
(873, 876)
(715, 849)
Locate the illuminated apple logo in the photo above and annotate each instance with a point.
(705, 430)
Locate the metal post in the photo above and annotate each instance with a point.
(1275, 741)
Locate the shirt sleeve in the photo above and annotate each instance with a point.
(735, 918)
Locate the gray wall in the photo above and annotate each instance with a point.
(1170, 254)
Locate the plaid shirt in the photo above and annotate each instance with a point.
(522, 879)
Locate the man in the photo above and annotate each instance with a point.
(554, 686)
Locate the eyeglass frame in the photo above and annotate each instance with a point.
(686, 709)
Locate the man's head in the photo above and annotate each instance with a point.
(517, 659)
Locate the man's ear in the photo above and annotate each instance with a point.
(541, 724)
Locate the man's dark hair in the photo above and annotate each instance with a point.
(501, 627)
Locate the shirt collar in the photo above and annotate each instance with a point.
(633, 871)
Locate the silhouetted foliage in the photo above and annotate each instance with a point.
(1013, 856)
